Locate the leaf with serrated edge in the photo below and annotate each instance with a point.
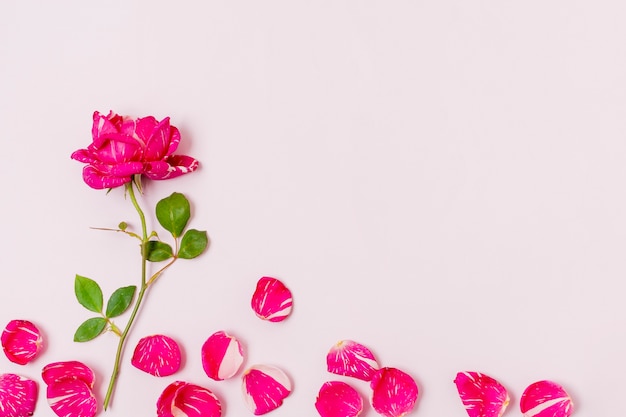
(173, 213)
(159, 251)
(193, 243)
(88, 293)
(90, 329)
(120, 301)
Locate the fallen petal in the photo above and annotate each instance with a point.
(182, 399)
(349, 358)
(546, 399)
(264, 388)
(482, 395)
(338, 399)
(271, 300)
(70, 370)
(18, 396)
(222, 356)
(21, 341)
(157, 355)
(71, 398)
(394, 392)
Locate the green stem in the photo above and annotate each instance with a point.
(142, 292)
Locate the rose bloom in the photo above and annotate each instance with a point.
(123, 147)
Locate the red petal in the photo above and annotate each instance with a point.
(63, 371)
(71, 398)
(482, 395)
(271, 300)
(21, 341)
(351, 359)
(171, 167)
(338, 399)
(222, 356)
(394, 392)
(264, 388)
(18, 396)
(157, 355)
(546, 399)
(182, 399)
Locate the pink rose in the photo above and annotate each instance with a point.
(123, 147)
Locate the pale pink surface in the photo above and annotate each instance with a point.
(482, 395)
(71, 398)
(338, 399)
(123, 147)
(271, 300)
(264, 388)
(182, 399)
(157, 355)
(61, 371)
(394, 392)
(222, 356)
(353, 359)
(18, 396)
(546, 399)
(21, 341)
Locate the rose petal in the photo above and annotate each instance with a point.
(21, 341)
(18, 396)
(182, 399)
(157, 355)
(394, 392)
(351, 359)
(546, 399)
(271, 300)
(171, 167)
(71, 398)
(482, 395)
(222, 356)
(97, 180)
(264, 388)
(338, 399)
(70, 370)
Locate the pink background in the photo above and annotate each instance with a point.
(442, 181)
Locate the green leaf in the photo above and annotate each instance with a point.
(123, 226)
(90, 329)
(159, 251)
(88, 294)
(173, 213)
(194, 242)
(120, 301)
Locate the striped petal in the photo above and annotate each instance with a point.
(264, 388)
(18, 396)
(21, 341)
(71, 398)
(157, 355)
(481, 395)
(61, 371)
(394, 392)
(182, 399)
(338, 399)
(222, 356)
(271, 300)
(351, 359)
(546, 399)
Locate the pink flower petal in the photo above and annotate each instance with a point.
(71, 398)
(351, 359)
(394, 392)
(21, 341)
(171, 167)
(18, 396)
(482, 395)
(157, 355)
(546, 399)
(70, 370)
(338, 399)
(264, 388)
(222, 356)
(182, 399)
(272, 300)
